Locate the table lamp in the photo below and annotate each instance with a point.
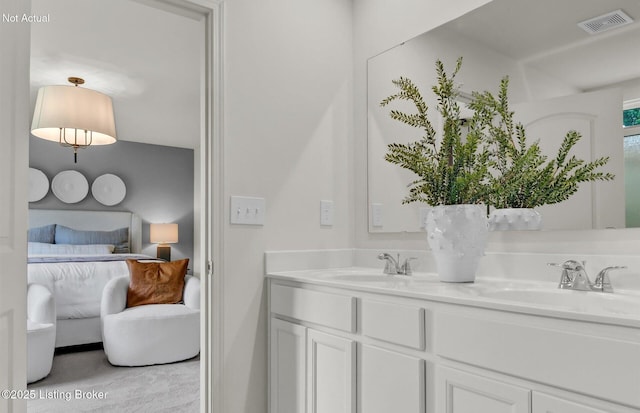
(163, 235)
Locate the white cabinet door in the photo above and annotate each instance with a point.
(390, 382)
(460, 392)
(543, 403)
(330, 373)
(287, 361)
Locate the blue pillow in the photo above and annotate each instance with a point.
(118, 237)
(45, 234)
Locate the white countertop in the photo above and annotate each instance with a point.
(541, 298)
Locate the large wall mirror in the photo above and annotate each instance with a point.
(561, 78)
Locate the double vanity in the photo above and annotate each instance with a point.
(354, 339)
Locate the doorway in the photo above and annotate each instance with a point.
(208, 175)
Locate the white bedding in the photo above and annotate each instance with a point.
(77, 286)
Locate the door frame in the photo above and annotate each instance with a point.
(212, 207)
(211, 201)
(14, 117)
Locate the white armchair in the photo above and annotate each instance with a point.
(41, 331)
(152, 333)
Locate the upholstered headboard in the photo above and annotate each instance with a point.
(91, 221)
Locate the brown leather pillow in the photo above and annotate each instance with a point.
(156, 282)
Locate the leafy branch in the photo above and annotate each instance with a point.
(449, 171)
(521, 176)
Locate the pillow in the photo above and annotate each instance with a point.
(119, 238)
(44, 234)
(156, 282)
(38, 248)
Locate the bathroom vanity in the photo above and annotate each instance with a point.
(356, 340)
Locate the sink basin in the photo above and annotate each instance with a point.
(530, 294)
(365, 278)
(385, 278)
(423, 283)
(582, 301)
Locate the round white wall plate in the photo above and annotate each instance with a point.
(70, 186)
(108, 189)
(38, 185)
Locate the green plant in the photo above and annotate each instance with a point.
(522, 177)
(453, 170)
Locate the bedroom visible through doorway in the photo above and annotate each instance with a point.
(169, 119)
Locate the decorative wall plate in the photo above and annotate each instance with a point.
(70, 186)
(108, 189)
(38, 184)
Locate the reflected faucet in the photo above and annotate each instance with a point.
(574, 277)
(392, 265)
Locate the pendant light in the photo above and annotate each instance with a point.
(74, 116)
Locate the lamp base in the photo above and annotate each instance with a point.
(164, 252)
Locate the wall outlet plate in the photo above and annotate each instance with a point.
(376, 215)
(326, 213)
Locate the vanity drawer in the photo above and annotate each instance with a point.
(394, 323)
(327, 309)
(584, 362)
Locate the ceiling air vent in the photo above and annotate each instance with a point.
(605, 22)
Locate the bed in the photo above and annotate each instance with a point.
(74, 254)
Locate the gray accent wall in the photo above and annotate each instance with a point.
(159, 181)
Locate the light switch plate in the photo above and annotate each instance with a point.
(326, 213)
(424, 211)
(247, 210)
(376, 215)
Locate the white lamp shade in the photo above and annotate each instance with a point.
(163, 233)
(72, 108)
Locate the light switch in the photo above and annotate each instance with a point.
(247, 210)
(376, 215)
(326, 213)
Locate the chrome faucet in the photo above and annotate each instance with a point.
(602, 282)
(574, 277)
(392, 265)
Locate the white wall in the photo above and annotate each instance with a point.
(288, 138)
(295, 133)
(381, 24)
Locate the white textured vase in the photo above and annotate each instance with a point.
(515, 219)
(457, 235)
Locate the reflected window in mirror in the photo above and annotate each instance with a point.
(632, 180)
(631, 117)
(631, 122)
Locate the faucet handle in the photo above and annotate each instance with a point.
(565, 278)
(563, 267)
(574, 265)
(568, 265)
(406, 267)
(390, 265)
(602, 282)
(573, 275)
